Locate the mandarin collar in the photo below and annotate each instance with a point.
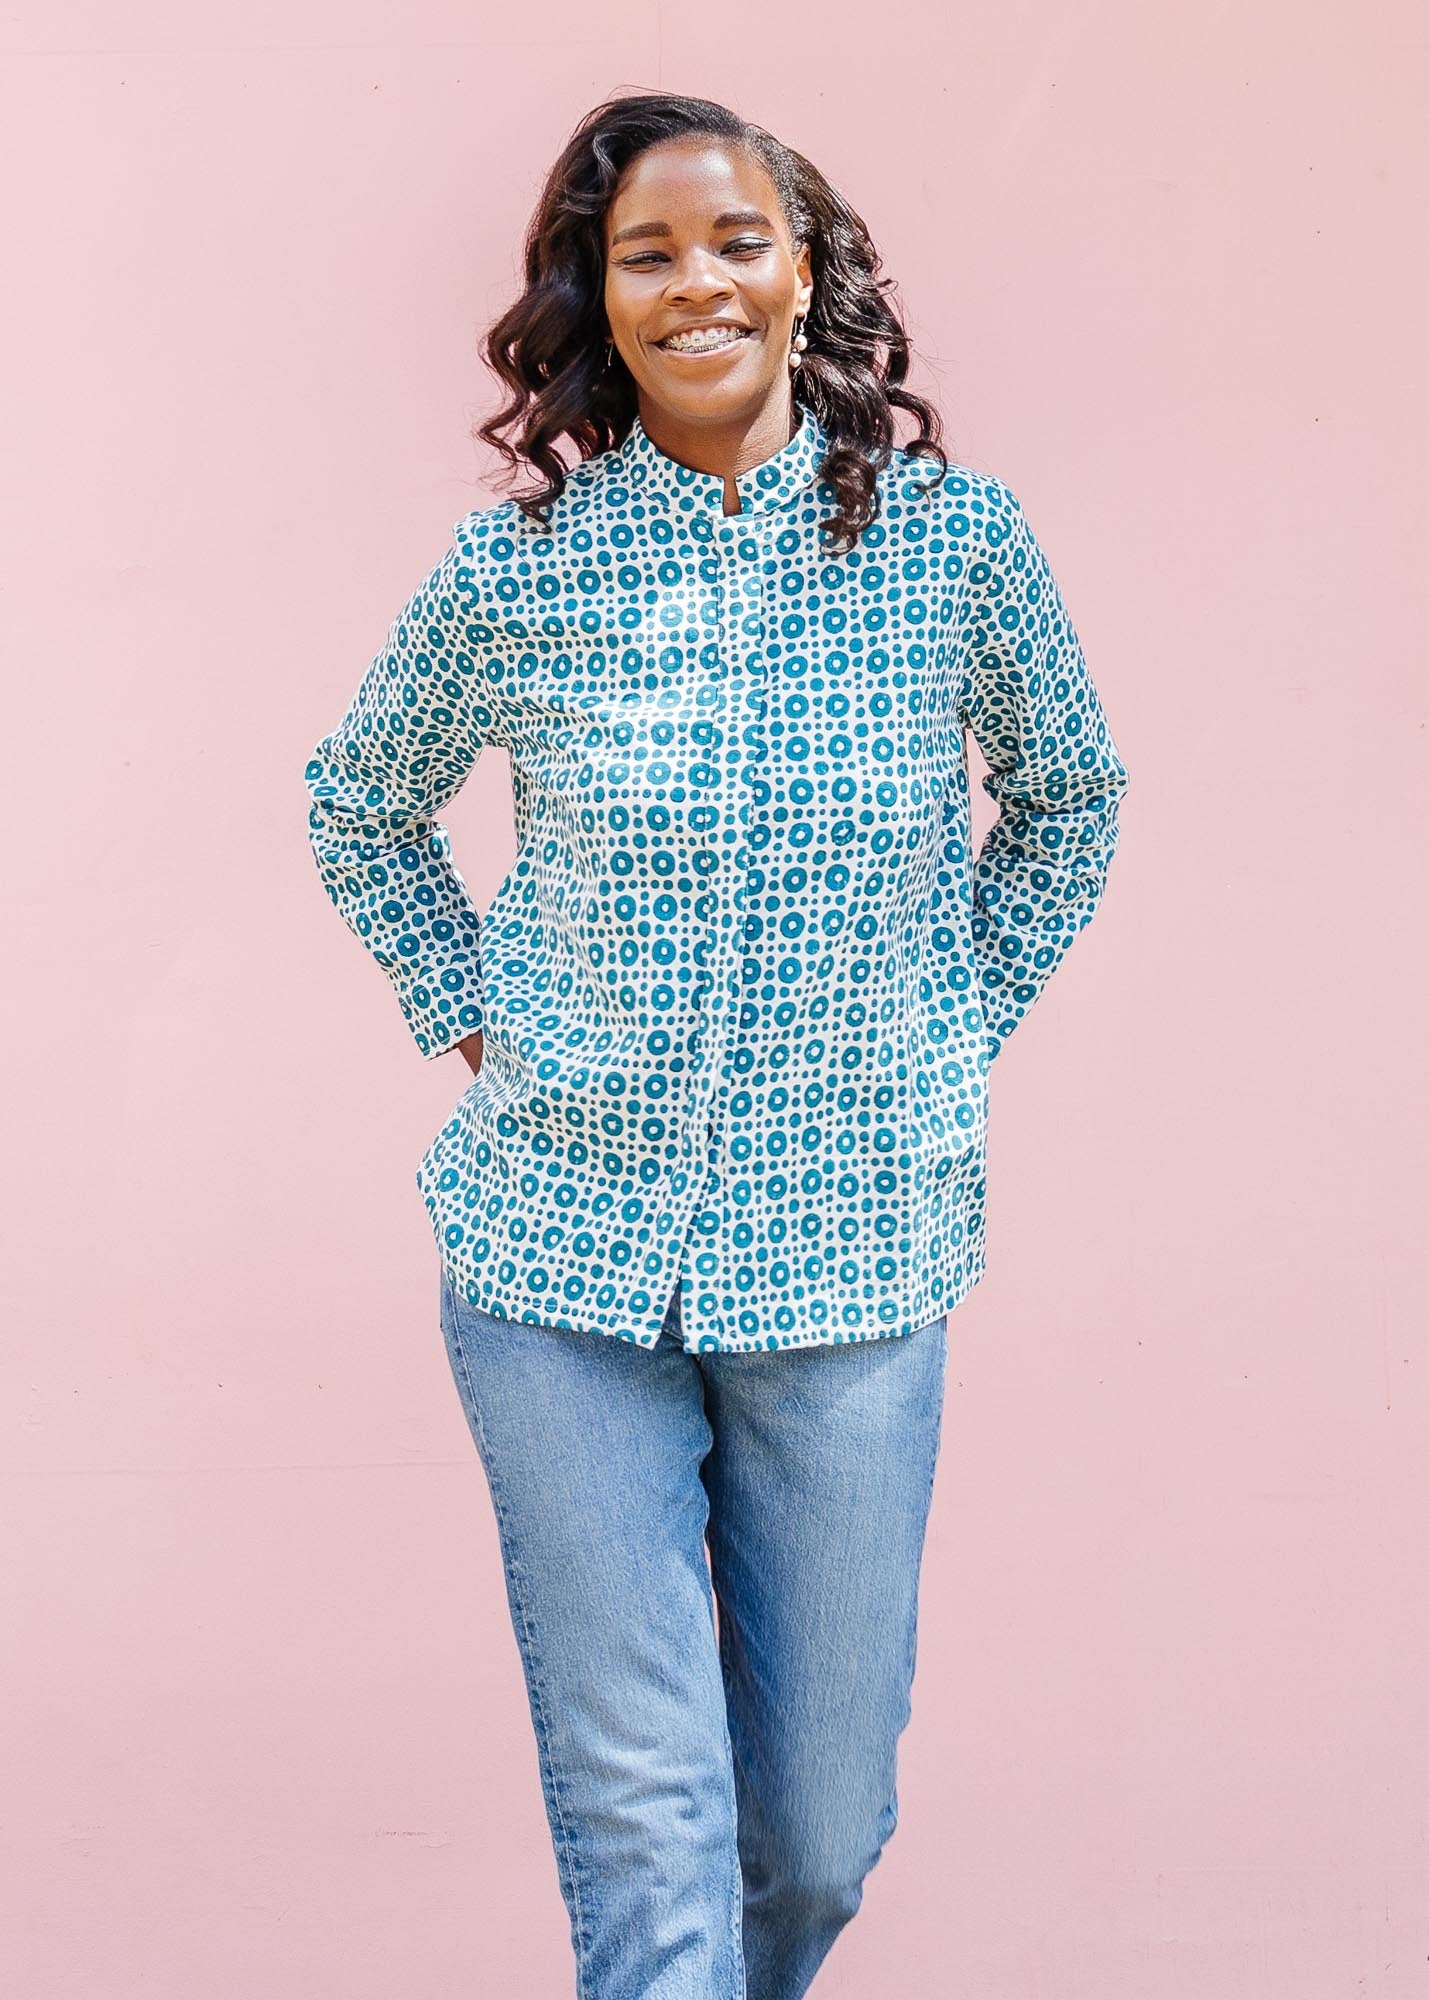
(650, 472)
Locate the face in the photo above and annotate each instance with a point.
(693, 236)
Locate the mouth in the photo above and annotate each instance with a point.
(711, 340)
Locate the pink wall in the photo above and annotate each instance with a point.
(265, 1725)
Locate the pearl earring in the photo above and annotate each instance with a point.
(796, 354)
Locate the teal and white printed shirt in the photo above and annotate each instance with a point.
(741, 991)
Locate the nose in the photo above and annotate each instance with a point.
(698, 276)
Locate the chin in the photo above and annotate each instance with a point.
(711, 405)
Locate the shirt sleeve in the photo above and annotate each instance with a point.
(1054, 769)
(405, 747)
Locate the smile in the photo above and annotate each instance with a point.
(711, 342)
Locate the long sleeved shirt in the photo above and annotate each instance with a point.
(741, 991)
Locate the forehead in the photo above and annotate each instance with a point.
(690, 182)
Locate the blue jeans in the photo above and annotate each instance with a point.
(712, 1566)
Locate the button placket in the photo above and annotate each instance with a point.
(706, 1058)
(698, 1134)
(716, 1000)
(730, 559)
(743, 630)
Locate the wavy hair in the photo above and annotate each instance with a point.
(548, 347)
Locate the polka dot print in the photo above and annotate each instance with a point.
(742, 988)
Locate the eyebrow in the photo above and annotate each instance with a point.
(728, 220)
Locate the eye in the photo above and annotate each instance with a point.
(745, 248)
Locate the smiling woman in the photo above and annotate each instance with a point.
(666, 215)
(719, 1181)
(703, 286)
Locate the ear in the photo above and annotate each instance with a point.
(803, 265)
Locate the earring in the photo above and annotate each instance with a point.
(609, 350)
(796, 353)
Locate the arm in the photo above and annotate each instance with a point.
(404, 748)
(1053, 769)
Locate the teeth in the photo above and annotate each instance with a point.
(711, 339)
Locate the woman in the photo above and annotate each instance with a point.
(718, 1179)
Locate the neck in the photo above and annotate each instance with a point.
(725, 448)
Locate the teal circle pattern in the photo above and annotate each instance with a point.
(742, 988)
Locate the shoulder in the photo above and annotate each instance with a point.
(974, 500)
(969, 504)
(485, 530)
(495, 551)
(502, 531)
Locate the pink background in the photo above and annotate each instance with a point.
(265, 1728)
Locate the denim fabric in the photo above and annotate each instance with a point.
(712, 1565)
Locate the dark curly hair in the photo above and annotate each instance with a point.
(548, 347)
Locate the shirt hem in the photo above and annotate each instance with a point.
(519, 1310)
